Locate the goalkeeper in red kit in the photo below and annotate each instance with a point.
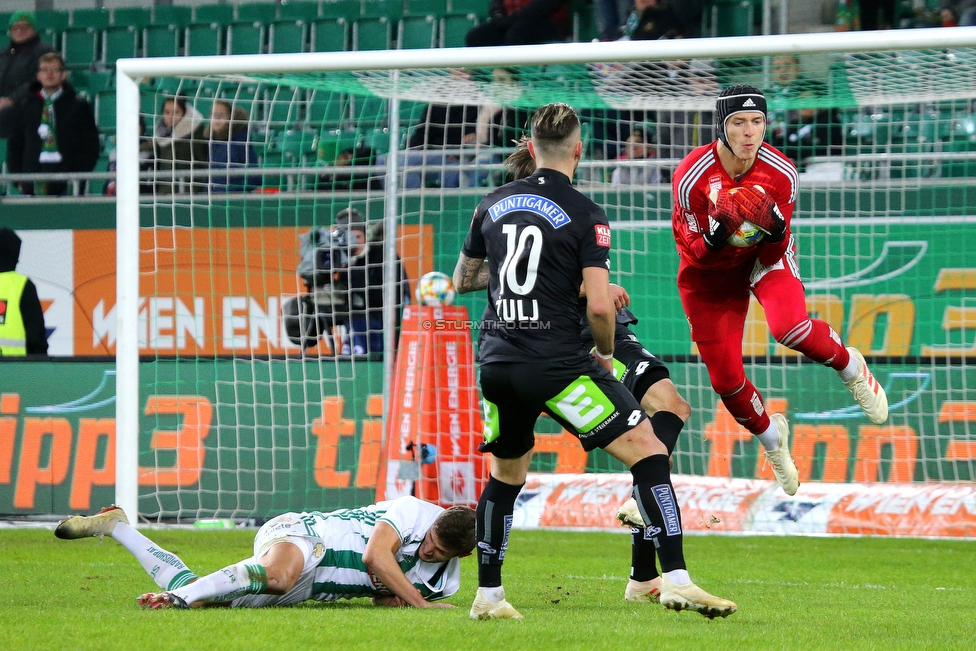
(719, 190)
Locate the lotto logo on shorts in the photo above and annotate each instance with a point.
(602, 235)
(665, 501)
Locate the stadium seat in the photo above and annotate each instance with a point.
(426, 8)
(204, 39)
(391, 9)
(417, 32)
(583, 22)
(287, 36)
(284, 107)
(119, 43)
(105, 116)
(477, 7)
(245, 38)
(304, 11)
(51, 20)
(329, 35)
(348, 9)
(137, 17)
(220, 14)
(79, 47)
(369, 112)
(161, 41)
(5, 20)
(728, 18)
(326, 109)
(95, 18)
(256, 12)
(297, 146)
(92, 81)
(371, 34)
(178, 16)
(454, 28)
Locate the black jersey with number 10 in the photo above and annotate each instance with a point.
(538, 234)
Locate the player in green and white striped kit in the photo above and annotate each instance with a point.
(401, 552)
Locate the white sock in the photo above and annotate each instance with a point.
(166, 569)
(678, 577)
(849, 372)
(769, 438)
(246, 577)
(493, 595)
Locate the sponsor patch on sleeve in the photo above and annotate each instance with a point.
(602, 235)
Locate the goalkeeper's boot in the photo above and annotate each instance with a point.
(691, 597)
(643, 591)
(629, 515)
(484, 608)
(867, 392)
(83, 526)
(161, 600)
(783, 467)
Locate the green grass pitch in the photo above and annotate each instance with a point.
(793, 593)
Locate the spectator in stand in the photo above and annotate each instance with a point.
(521, 22)
(179, 144)
(20, 59)
(872, 10)
(230, 148)
(50, 130)
(958, 12)
(804, 132)
(351, 157)
(610, 17)
(22, 330)
(639, 147)
(366, 255)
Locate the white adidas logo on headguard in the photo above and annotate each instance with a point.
(748, 102)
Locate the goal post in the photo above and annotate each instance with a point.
(221, 414)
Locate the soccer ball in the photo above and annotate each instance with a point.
(435, 289)
(746, 235)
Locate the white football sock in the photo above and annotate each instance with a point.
(246, 577)
(166, 569)
(849, 372)
(493, 595)
(769, 438)
(678, 577)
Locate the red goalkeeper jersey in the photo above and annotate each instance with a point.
(697, 175)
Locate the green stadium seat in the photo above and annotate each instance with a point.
(584, 23)
(297, 146)
(250, 97)
(79, 47)
(220, 14)
(369, 112)
(204, 39)
(178, 16)
(92, 81)
(257, 12)
(410, 113)
(161, 41)
(5, 20)
(306, 12)
(477, 7)
(119, 43)
(96, 18)
(371, 34)
(245, 38)
(105, 116)
(417, 32)
(326, 109)
(454, 28)
(426, 8)
(287, 36)
(137, 17)
(51, 19)
(330, 35)
(333, 141)
(348, 9)
(728, 18)
(391, 9)
(284, 107)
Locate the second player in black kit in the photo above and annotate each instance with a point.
(533, 244)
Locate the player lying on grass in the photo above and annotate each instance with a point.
(648, 379)
(319, 556)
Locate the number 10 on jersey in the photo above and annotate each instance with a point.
(523, 249)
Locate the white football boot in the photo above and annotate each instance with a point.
(867, 392)
(485, 608)
(783, 467)
(691, 597)
(83, 526)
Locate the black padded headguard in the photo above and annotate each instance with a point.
(738, 98)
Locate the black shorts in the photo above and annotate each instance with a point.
(579, 394)
(636, 367)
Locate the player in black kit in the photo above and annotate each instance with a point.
(532, 244)
(648, 380)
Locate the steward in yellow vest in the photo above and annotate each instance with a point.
(22, 330)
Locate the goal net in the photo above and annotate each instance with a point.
(263, 272)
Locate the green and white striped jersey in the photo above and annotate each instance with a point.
(338, 539)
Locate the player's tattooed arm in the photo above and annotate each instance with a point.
(470, 274)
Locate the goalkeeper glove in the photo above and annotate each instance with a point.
(761, 210)
(726, 211)
(717, 237)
